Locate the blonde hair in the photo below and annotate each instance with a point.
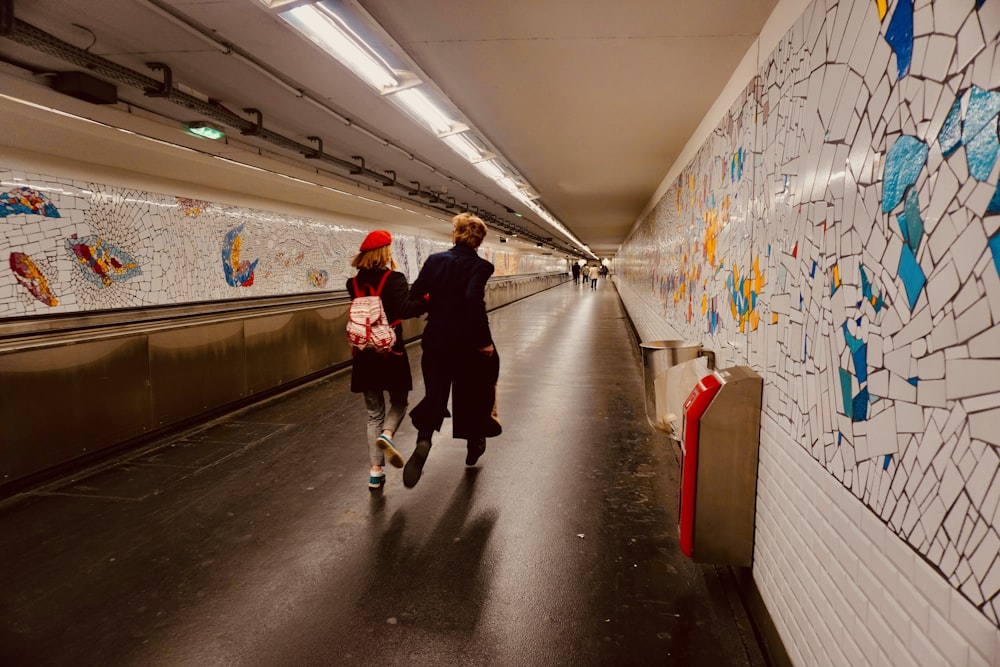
(469, 230)
(378, 258)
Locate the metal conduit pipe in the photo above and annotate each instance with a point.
(224, 47)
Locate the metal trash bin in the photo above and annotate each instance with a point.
(670, 370)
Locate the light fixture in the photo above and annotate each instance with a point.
(205, 130)
(418, 104)
(464, 146)
(490, 169)
(330, 33)
(345, 30)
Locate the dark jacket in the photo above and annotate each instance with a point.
(386, 371)
(457, 328)
(456, 282)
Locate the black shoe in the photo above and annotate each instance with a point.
(476, 448)
(415, 466)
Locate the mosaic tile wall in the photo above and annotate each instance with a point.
(839, 232)
(73, 246)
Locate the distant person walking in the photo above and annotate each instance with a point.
(576, 273)
(594, 273)
(585, 273)
(458, 350)
(374, 373)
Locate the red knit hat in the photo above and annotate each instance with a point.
(377, 239)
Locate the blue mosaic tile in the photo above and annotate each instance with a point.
(912, 275)
(979, 132)
(900, 36)
(910, 222)
(860, 411)
(903, 164)
(950, 136)
(845, 392)
(995, 249)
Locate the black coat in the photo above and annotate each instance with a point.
(457, 328)
(456, 282)
(373, 370)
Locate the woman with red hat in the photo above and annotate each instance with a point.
(375, 373)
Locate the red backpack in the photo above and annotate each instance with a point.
(367, 324)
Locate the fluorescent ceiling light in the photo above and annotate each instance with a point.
(334, 37)
(490, 169)
(508, 184)
(462, 145)
(526, 197)
(423, 108)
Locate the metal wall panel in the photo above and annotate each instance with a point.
(276, 350)
(61, 398)
(61, 402)
(196, 369)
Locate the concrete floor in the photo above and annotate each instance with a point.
(255, 541)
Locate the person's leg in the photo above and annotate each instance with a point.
(429, 414)
(397, 410)
(474, 448)
(375, 404)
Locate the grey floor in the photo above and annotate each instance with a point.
(255, 541)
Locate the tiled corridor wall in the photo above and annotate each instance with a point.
(75, 245)
(839, 232)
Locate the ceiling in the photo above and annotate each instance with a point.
(590, 102)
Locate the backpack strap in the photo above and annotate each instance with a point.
(381, 284)
(378, 293)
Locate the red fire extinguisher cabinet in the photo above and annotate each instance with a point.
(719, 445)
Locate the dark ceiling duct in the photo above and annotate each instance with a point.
(85, 87)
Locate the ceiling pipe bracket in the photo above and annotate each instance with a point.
(361, 169)
(168, 81)
(389, 182)
(317, 154)
(257, 129)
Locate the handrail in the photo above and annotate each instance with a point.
(17, 334)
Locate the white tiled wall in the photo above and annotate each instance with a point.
(837, 231)
(841, 588)
(151, 249)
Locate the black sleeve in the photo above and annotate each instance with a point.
(475, 304)
(398, 302)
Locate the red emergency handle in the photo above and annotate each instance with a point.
(694, 407)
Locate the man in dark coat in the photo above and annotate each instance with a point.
(576, 273)
(458, 348)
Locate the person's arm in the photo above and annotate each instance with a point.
(475, 304)
(400, 303)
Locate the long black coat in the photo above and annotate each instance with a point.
(456, 282)
(373, 370)
(457, 328)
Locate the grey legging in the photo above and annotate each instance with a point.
(379, 421)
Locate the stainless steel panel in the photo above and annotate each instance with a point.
(670, 370)
(196, 369)
(276, 350)
(326, 338)
(725, 496)
(59, 403)
(63, 395)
